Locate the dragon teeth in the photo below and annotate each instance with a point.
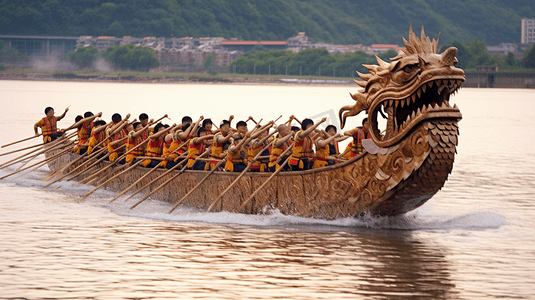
(419, 92)
(403, 102)
(430, 84)
(445, 81)
(390, 102)
(418, 111)
(413, 98)
(424, 87)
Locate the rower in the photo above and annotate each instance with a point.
(358, 135)
(333, 145)
(259, 138)
(280, 143)
(155, 146)
(196, 147)
(48, 125)
(235, 156)
(98, 134)
(241, 128)
(84, 132)
(302, 150)
(144, 120)
(207, 125)
(220, 143)
(322, 142)
(180, 136)
(135, 137)
(114, 134)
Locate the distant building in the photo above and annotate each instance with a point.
(41, 45)
(503, 49)
(376, 49)
(527, 35)
(247, 46)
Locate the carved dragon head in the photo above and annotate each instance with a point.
(415, 87)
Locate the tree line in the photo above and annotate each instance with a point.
(125, 57)
(331, 21)
(318, 62)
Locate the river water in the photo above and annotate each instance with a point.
(474, 240)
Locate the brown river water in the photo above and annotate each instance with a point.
(475, 239)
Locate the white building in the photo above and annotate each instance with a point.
(527, 31)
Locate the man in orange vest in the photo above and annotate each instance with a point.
(48, 125)
(358, 135)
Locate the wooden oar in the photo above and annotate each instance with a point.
(198, 184)
(79, 167)
(117, 160)
(239, 177)
(170, 179)
(59, 146)
(134, 184)
(40, 163)
(20, 141)
(95, 152)
(91, 159)
(51, 146)
(22, 149)
(143, 177)
(264, 184)
(115, 176)
(122, 156)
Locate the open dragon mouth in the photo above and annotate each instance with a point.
(427, 101)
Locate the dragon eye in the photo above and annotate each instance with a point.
(410, 68)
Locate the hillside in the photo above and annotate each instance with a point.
(337, 21)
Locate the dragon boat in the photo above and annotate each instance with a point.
(407, 165)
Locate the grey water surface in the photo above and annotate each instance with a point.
(474, 240)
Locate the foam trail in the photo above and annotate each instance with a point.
(424, 218)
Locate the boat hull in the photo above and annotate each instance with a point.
(393, 183)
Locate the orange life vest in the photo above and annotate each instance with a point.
(194, 151)
(302, 149)
(276, 151)
(321, 154)
(155, 147)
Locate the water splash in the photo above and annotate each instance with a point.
(424, 218)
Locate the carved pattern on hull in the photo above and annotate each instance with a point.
(401, 180)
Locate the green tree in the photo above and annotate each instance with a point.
(511, 60)
(528, 59)
(83, 57)
(130, 57)
(11, 55)
(209, 61)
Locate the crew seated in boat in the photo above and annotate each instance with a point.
(258, 144)
(177, 152)
(144, 120)
(281, 142)
(220, 143)
(236, 157)
(116, 134)
(241, 128)
(358, 135)
(322, 142)
(197, 147)
(98, 134)
(333, 145)
(48, 125)
(155, 146)
(133, 142)
(302, 150)
(207, 125)
(84, 132)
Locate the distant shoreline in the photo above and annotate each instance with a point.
(71, 77)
